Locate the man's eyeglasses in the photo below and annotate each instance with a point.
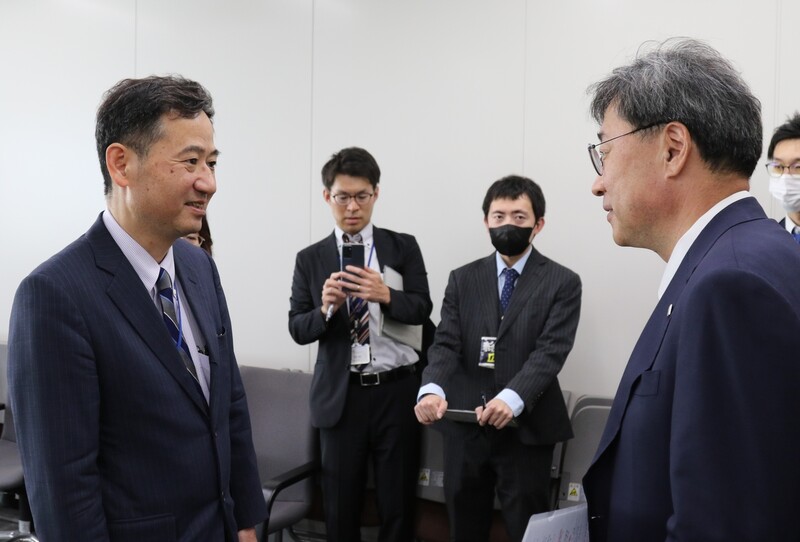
(597, 156)
(344, 199)
(776, 169)
(195, 238)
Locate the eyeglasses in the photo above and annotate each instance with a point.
(597, 156)
(344, 199)
(195, 238)
(776, 169)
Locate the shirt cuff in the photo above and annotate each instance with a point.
(427, 389)
(512, 399)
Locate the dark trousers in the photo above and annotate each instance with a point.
(479, 459)
(378, 425)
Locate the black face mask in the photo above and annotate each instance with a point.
(510, 240)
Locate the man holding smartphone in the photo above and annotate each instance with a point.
(365, 383)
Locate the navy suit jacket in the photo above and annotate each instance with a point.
(533, 341)
(117, 440)
(703, 431)
(313, 266)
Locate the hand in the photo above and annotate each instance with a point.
(247, 535)
(366, 283)
(430, 408)
(332, 294)
(496, 413)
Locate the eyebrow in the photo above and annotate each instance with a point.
(199, 150)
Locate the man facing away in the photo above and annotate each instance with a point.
(130, 412)
(703, 427)
(508, 323)
(365, 382)
(784, 172)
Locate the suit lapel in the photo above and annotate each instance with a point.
(133, 301)
(488, 298)
(649, 343)
(197, 296)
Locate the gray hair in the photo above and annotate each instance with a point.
(687, 81)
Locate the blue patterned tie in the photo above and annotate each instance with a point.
(166, 295)
(796, 234)
(508, 288)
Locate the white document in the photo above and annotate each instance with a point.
(565, 525)
(403, 333)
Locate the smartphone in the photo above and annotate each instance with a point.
(352, 254)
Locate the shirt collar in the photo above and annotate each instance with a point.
(687, 239)
(790, 225)
(366, 235)
(141, 260)
(518, 266)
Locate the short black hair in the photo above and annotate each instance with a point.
(788, 130)
(353, 161)
(512, 187)
(132, 109)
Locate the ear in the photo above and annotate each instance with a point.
(677, 145)
(377, 192)
(119, 162)
(326, 195)
(537, 227)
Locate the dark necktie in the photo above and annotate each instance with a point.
(796, 234)
(359, 310)
(166, 295)
(508, 288)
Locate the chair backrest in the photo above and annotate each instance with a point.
(280, 417)
(5, 415)
(588, 422)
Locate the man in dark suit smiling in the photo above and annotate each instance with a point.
(131, 415)
(508, 323)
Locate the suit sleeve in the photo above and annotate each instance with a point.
(731, 447)
(245, 487)
(413, 304)
(55, 399)
(306, 321)
(444, 355)
(553, 343)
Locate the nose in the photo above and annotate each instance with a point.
(353, 205)
(206, 181)
(598, 188)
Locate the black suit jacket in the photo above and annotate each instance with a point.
(307, 324)
(117, 440)
(533, 341)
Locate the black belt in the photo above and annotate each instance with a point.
(376, 379)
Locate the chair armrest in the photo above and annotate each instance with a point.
(275, 485)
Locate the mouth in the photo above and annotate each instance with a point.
(199, 206)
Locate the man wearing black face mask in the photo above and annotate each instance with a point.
(508, 323)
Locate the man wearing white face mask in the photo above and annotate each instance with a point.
(784, 172)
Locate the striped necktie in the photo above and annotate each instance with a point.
(359, 310)
(166, 296)
(796, 234)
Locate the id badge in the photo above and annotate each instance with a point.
(487, 352)
(359, 354)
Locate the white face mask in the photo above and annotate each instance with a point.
(786, 189)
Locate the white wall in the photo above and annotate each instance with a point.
(449, 95)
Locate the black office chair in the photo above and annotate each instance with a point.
(12, 482)
(11, 479)
(285, 442)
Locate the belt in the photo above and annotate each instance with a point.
(376, 379)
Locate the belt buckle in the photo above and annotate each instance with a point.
(373, 379)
